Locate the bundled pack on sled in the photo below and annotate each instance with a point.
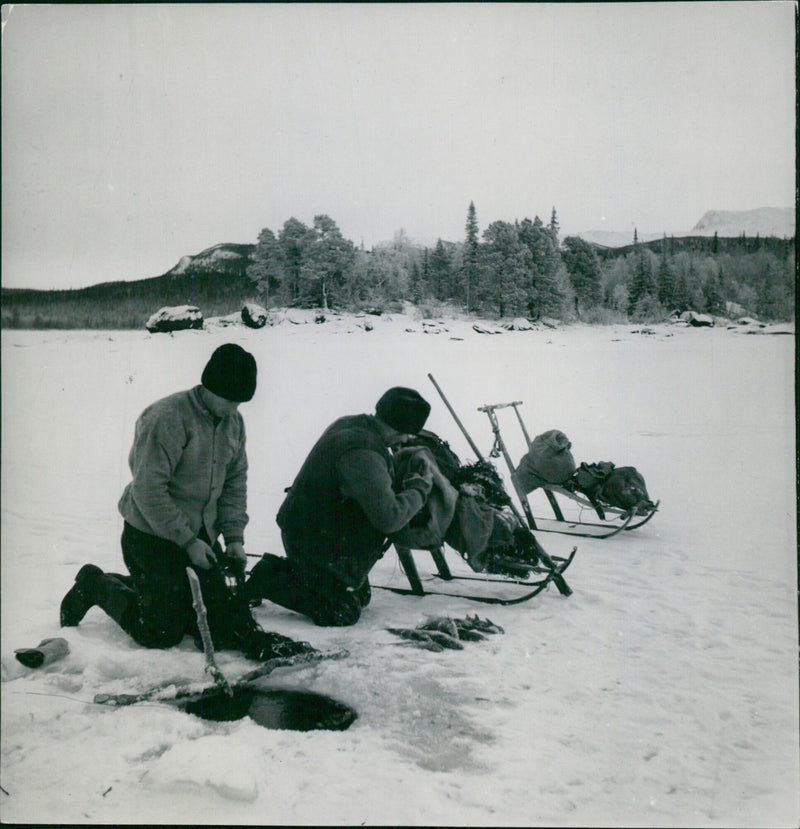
(470, 511)
(614, 493)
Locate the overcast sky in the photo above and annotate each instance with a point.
(132, 135)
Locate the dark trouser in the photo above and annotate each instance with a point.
(307, 590)
(154, 604)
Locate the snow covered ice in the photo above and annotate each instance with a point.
(663, 692)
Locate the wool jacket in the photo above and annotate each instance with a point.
(343, 504)
(189, 472)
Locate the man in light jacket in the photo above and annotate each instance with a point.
(189, 486)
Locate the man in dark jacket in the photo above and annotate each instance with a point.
(189, 486)
(340, 509)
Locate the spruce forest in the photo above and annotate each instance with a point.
(524, 269)
(513, 269)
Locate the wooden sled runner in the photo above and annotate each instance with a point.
(443, 575)
(604, 527)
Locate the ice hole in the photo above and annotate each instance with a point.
(276, 709)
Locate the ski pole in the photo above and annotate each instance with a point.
(460, 425)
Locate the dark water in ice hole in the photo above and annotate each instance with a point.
(284, 709)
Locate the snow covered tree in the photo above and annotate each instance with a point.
(441, 272)
(665, 283)
(643, 282)
(267, 268)
(327, 260)
(294, 238)
(712, 291)
(583, 267)
(543, 294)
(508, 262)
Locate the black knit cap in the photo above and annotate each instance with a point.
(405, 410)
(231, 373)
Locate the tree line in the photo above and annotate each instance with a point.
(523, 268)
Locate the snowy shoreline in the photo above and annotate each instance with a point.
(663, 692)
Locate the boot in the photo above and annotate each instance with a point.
(116, 595)
(262, 645)
(364, 593)
(94, 587)
(261, 578)
(75, 605)
(47, 651)
(274, 579)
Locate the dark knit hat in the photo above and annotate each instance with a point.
(231, 373)
(405, 410)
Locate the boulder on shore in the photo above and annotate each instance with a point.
(697, 320)
(519, 324)
(254, 316)
(174, 318)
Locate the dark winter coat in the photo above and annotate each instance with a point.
(342, 504)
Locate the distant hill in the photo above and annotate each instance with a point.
(223, 258)
(215, 280)
(763, 222)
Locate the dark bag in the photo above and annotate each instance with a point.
(622, 487)
(625, 488)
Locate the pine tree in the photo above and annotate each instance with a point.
(665, 282)
(544, 295)
(471, 255)
(642, 284)
(440, 271)
(680, 296)
(294, 238)
(712, 293)
(553, 227)
(583, 267)
(267, 268)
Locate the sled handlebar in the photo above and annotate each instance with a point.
(492, 406)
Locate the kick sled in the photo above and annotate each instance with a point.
(533, 572)
(610, 519)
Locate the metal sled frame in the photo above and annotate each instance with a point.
(443, 573)
(631, 519)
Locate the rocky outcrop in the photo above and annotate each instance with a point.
(175, 318)
(223, 258)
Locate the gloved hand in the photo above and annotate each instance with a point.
(419, 475)
(235, 550)
(201, 555)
